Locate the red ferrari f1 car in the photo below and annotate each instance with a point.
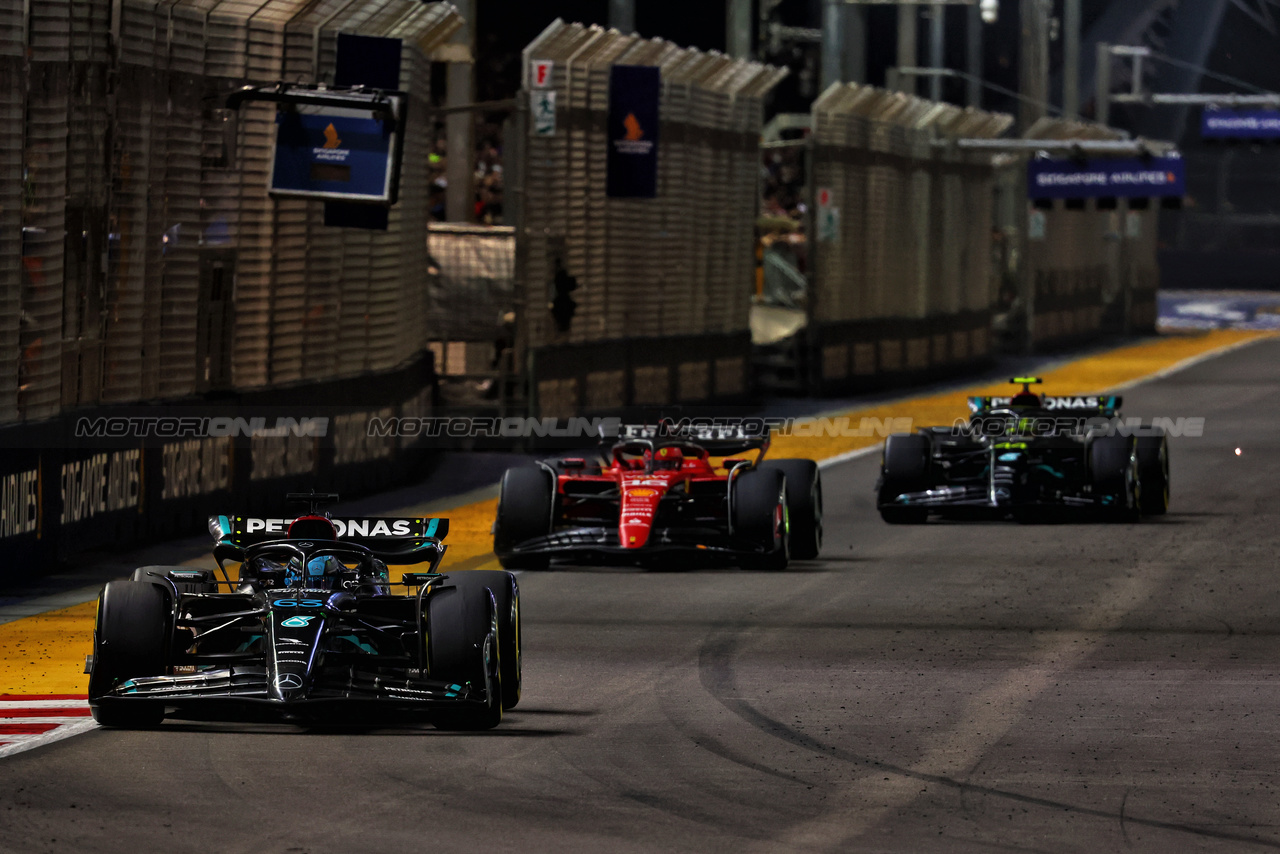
(659, 495)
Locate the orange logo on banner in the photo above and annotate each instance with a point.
(634, 131)
(331, 137)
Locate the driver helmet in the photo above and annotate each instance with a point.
(1025, 398)
(669, 458)
(320, 573)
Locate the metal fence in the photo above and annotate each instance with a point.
(471, 297)
(1087, 269)
(902, 279)
(663, 284)
(152, 263)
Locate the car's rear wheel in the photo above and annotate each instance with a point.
(760, 517)
(463, 646)
(131, 639)
(804, 505)
(904, 468)
(1153, 473)
(525, 507)
(1115, 478)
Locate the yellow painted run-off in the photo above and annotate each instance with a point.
(45, 654)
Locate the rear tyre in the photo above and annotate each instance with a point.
(506, 600)
(1115, 477)
(463, 644)
(525, 507)
(760, 516)
(804, 505)
(1153, 473)
(904, 468)
(131, 639)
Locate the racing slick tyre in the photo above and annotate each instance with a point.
(157, 575)
(131, 639)
(464, 646)
(506, 598)
(1111, 465)
(525, 507)
(804, 505)
(904, 468)
(760, 515)
(1153, 473)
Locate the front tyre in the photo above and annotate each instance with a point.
(131, 639)
(1153, 473)
(804, 505)
(506, 600)
(905, 467)
(463, 647)
(759, 515)
(526, 505)
(1114, 471)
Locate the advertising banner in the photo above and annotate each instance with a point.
(1240, 124)
(1120, 178)
(634, 91)
(340, 157)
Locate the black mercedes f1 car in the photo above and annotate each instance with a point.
(1027, 456)
(310, 631)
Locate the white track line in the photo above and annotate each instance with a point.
(44, 704)
(33, 741)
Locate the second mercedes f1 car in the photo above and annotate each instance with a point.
(660, 495)
(1025, 456)
(310, 630)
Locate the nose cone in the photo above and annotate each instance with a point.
(639, 505)
(289, 683)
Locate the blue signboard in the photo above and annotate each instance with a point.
(632, 161)
(325, 156)
(1092, 179)
(1240, 124)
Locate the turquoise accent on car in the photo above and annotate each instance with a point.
(431, 529)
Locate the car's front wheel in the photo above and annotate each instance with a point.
(131, 639)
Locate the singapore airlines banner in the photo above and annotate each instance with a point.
(633, 131)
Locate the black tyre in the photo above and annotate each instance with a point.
(1114, 474)
(1153, 473)
(760, 516)
(905, 467)
(525, 507)
(157, 574)
(463, 646)
(506, 599)
(131, 639)
(804, 505)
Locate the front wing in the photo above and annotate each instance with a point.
(244, 691)
(600, 542)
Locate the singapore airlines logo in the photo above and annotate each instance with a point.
(634, 131)
(331, 137)
(330, 151)
(633, 141)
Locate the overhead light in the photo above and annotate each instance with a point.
(990, 11)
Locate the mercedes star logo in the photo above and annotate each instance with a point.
(288, 680)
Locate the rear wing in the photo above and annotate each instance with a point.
(388, 538)
(1089, 404)
(717, 438)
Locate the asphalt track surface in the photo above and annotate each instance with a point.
(951, 688)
